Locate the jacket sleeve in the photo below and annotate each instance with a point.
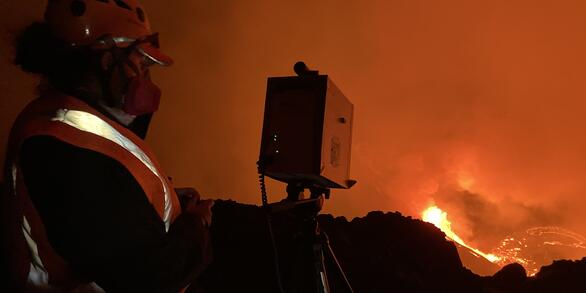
(98, 218)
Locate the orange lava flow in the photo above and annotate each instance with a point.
(439, 218)
(521, 249)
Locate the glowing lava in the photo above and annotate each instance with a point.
(439, 218)
(540, 246)
(532, 249)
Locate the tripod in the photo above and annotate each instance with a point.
(306, 211)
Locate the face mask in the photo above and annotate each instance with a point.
(142, 97)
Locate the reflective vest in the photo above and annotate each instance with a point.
(34, 263)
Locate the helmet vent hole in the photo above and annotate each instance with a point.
(123, 4)
(78, 8)
(140, 14)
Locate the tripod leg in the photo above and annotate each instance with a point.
(336, 262)
(321, 276)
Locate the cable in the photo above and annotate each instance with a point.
(261, 179)
(275, 255)
(265, 204)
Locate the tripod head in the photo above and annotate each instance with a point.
(296, 200)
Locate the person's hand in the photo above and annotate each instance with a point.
(185, 195)
(191, 202)
(202, 209)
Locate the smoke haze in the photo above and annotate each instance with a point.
(476, 106)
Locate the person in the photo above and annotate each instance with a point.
(87, 206)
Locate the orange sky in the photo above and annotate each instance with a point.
(479, 105)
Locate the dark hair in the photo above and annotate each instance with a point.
(38, 51)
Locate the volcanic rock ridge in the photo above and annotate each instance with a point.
(382, 252)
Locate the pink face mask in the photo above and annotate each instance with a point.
(142, 97)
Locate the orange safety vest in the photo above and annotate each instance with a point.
(34, 263)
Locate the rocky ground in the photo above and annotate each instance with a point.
(382, 252)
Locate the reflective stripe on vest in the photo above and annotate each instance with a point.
(91, 123)
(37, 274)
